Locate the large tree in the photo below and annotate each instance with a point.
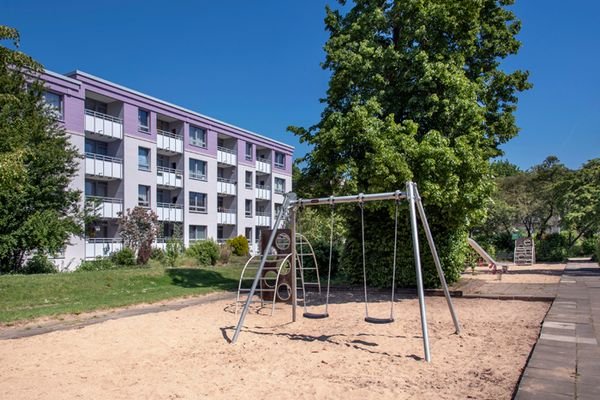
(38, 211)
(416, 93)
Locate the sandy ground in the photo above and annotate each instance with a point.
(184, 354)
(536, 273)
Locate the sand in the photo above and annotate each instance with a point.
(183, 354)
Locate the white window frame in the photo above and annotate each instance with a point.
(57, 111)
(148, 158)
(197, 173)
(141, 202)
(195, 205)
(279, 189)
(194, 140)
(142, 127)
(278, 164)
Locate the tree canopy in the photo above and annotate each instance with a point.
(416, 93)
(38, 210)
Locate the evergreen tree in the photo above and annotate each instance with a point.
(38, 210)
(416, 93)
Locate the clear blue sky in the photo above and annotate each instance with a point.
(256, 64)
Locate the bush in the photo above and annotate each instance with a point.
(321, 249)
(174, 250)
(205, 252)
(99, 264)
(239, 245)
(588, 246)
(123, 258)
(225, 253)
(39, 264)
(157, 255)
(552, 247)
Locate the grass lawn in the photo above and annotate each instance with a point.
(24, 297)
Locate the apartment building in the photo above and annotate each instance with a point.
(203, 177)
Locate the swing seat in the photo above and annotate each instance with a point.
(315, 315)
(374, 320)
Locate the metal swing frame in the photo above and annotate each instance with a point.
(411, 195)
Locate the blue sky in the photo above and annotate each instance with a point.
(256, 64)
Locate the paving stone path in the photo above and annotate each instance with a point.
(565, 363)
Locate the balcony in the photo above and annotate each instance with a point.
(103, 167)
(103, 125)
(226, 216)
(263, 219)
(169, 177)
(106, 207)
(263, 192)
(169, 212)
(169, 142)
(263, 166)
(226, 156)
(102, 247)
(226, 186)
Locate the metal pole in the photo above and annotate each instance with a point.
(436, 259)
(398, 195)
(294, 255)
(415, 237)
(286, 202)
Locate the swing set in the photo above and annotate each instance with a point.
(292, 206)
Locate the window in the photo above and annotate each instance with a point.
(54, 103)
(197, 136)
(197, 169)
(91, 146)
(278, 208)
(248, 234)
(197, 232)
(197, 202)
(220, 233)
(279, 185)
(143, 159)
(249, 151)
(279, 160)
(96, 106)
(248, 208)
(98, 189)
(248, 179)
(143, 196)
(143, 120)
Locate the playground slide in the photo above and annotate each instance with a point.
(484, 254)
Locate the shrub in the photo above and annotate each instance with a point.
(173, 251)
(239, 245)
(588, 246)
(123, 258)
(225, 253)
(39, 264)
(205, 252)
(552, 247)
(158, 255)
(321, 249)
(99, 264)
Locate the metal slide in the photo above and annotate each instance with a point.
(494, 264)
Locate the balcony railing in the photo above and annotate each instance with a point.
(226, 150)
(103, 166)
(263, 187)
(169, 212)
(102, 247)
(226, 186)
(106, 207)
(226, 216)
(226, 155)
(169, 177)
(103, 124)
(263, 165)
(263, 214)
(169, 141)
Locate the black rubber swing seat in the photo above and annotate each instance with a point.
(373, 320)
(315, 316)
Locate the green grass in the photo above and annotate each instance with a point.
(25, 297)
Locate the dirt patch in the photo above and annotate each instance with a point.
(183, 354)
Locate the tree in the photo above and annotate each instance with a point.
(138, 230)
(38, 210)
(580, 203)
(416, 93)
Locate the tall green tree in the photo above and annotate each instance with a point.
(416, 93)
(38, 210)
